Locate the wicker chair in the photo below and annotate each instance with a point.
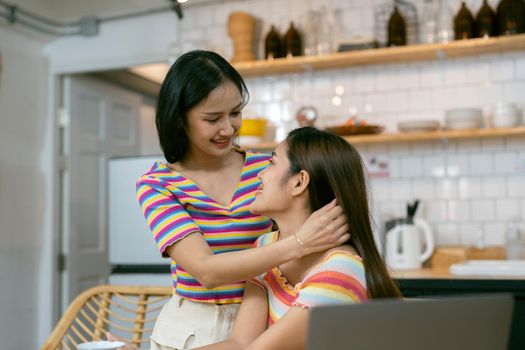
(129, 312)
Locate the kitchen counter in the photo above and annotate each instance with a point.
(428, 282)
(443, 273)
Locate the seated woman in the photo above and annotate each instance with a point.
(308, 170)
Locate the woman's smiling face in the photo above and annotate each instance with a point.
(213, 124)
(274, 193)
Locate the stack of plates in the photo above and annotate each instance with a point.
(463, 118)
(418, 125)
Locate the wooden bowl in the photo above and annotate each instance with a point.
(344, 130)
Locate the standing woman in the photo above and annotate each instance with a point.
(196, 204)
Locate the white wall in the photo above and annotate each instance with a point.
(22, 187)
(149, 141)
(469, 188)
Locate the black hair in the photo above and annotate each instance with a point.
(188, 82)
(336, 171)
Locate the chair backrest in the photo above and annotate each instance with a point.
(129, 312)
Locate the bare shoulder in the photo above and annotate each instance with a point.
(345, 248)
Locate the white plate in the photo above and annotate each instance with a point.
(464, 124)
(489, 267)
(418, 125)
(101, 345)
(463, 118)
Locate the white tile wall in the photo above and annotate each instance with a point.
(493, 187)
(469, 188)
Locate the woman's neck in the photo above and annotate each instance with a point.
(291, 221)
(194, 161)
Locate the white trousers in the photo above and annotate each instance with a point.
(185, 324)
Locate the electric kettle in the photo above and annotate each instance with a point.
(403, 245)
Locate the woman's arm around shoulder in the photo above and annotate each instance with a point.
(179, 237)
(325, 228)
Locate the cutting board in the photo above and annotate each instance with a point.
(443, 257)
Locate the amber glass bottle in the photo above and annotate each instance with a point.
(511, 17)
(486, 21)
(397, 30)
(272, 44)
(464, 25)
(293, 45)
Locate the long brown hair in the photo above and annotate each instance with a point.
(336, 171)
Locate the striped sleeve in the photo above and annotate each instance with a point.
(340, 278)
(259, 282)
(263, 240)
(166, 217)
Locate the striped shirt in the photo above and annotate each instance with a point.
(338, 278)
(174, 207)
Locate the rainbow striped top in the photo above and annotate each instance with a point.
(174, 207)
(339, 278)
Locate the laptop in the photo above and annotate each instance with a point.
(480, 322)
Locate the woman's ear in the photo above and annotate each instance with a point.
(300, 183)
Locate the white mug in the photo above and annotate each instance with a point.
(101, 345)
(504, 115)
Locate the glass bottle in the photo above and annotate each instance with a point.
(444, 21)
(324, 36)
(514, 241)
(464, 26)
(292, 42)
(272, 44)
(397, 32)
(486, 21)
(310, 32)
(428, 27)
(511, 17)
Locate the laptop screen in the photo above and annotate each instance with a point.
(447, 323)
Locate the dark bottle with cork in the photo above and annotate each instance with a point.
(486, 21)
(272, 44)
(293, 45)
(464, 25)
(511, 17)
(397, 30)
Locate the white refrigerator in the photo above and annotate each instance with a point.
(133, 254)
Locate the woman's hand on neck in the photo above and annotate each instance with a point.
(290, 221)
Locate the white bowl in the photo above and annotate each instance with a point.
(101, 345)
(418, 125)
(504, 121)
(463, 118)
(504, 115)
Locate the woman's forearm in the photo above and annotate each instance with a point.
(324, 229)
(213, 270)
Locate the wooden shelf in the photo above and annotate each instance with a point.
(420, 136)
(413, 53)
(437, 135)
